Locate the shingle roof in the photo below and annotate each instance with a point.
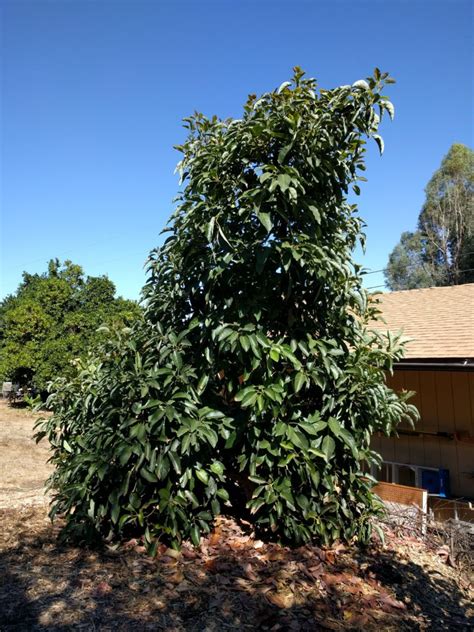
(440, 320)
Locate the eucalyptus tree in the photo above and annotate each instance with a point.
(441, 250)
(254, 384)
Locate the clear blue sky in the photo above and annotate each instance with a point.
(93, 94)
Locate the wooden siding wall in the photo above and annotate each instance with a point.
(445, 400)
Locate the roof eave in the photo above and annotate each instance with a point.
(435, 364)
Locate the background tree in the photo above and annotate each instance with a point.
(253, 384)
(441, 251)
(52, 319)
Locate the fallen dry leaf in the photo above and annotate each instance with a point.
(249, 573)
(102, 588)
(280, 599)
(389, 601)
(173, 553)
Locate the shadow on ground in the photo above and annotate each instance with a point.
(233, 584)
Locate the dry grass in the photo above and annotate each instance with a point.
(23, 467)
(233, 582)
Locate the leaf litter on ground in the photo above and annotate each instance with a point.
(232, 581)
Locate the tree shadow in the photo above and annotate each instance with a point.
(434, 596)
(17, 403)
(233, 584)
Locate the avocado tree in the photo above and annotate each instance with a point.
(253, 384)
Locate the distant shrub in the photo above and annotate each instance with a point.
(53, 318)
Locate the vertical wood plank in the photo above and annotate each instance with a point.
(428, 400)
(432, 451)
(463, 416)
(395, 381)
(449, 459)
(471, 392)
(417, 452)
(444, 400)
(387, 448)
(375, 443)
(412, 383)
(402, 449)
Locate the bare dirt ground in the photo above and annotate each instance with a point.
(23, 466)
(232, 582)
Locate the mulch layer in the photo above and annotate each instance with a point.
(232, 582)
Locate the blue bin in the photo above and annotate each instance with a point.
(444, 489)
(436, 482)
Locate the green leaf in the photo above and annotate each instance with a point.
(315, 478)
(249, 399)
(195, 535)
(284, 181)
(217, 468)
(328, 447)
(257, 479)
(334, 426)
(215, 414)
(203, 476)
(148, 476)
(138, 431)
(115, 513)
(162, 466)
(315, 452)
(284, 85)
(265, 219)
(288, 496)
(299, 381)
(244, 341)
(297, 438)
(202, 384)
(380, 532)
(175, 461)
(312, 428)
(192, 497)
(315, 213)
(379, 140)
(211, 435)
(243, 393)
(284, 152)
(222, 493)
(230, 440)
(274, 354)
(388, 105)
(280, 429)
(362, 84)
(210, 229)
(302, 501)
(255, 504)
(349, 441)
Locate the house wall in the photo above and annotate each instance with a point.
(445, 400)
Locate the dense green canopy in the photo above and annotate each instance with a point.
(52, 319)
(253, 385)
